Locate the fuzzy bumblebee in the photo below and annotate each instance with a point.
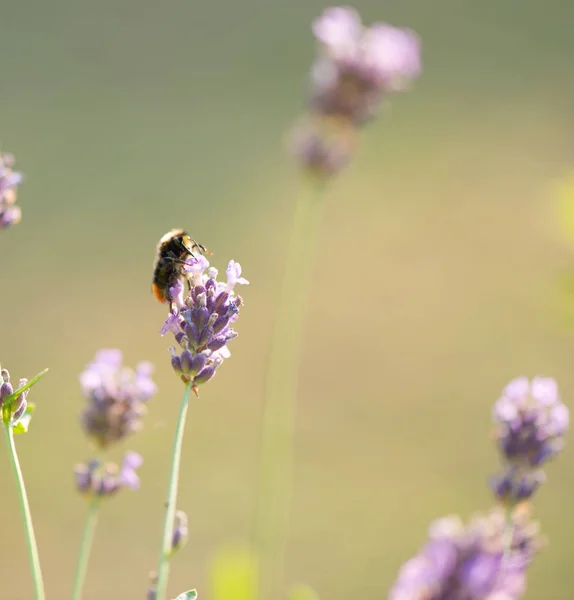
(173, 250)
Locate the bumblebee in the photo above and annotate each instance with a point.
(174, 248)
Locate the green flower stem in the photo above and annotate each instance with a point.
(271, 519)
(163, 565)
(85, 548)
(31, 545)
(508, 537)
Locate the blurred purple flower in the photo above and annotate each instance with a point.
(10, 214)
(116, 397)
(466, 562)
(202, 324)
(324, 147)
(358, 66)
(356, 69)
(128, 475)
(103, 480)
(531, 423)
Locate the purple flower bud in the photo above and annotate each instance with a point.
(513, 485)
(128, 475)
(210, 304)
(186, 362)
(221, 300)
(83, 477)
(106, 485)
(196, 291)
(6, 390)
(217, 343)
(199, 361)
(220, 323)
(204, 376)
(181, 339)
(176, 364)
(323, 147)
(180, 531)
(200, 316)
(192, 334)
(19, 407)
(205, 336)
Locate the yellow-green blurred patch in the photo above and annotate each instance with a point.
(303, 592)
(234, 575)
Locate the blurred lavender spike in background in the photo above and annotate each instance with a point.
(465, 562)
(116, 397)
(531, 423)
(355, 70)
(10, 214)
(103, 480)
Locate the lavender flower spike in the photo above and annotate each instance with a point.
(10, 214)
(466, 562)
(202, 324)
(103, 480)
(531, 423)
(356, 69)
(116, 397)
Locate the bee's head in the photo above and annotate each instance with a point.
(184, 243)
(177, 241)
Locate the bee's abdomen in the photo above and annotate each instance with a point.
(165, 275)
(159, 292)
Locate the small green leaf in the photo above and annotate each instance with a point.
(303, 592)
(191, 595)
(24, 422)
(234, 576)
(9, 399)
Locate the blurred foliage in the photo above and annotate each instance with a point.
(234, 576)
(303, 592)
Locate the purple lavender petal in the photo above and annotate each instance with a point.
(339, 28)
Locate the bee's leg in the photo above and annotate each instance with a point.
(178, 261)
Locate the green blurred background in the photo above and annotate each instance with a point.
(435, 280)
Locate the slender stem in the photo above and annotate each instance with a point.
(85, 548)
(163, 565)
(275, 478)
(507, 538)
(31, 545)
